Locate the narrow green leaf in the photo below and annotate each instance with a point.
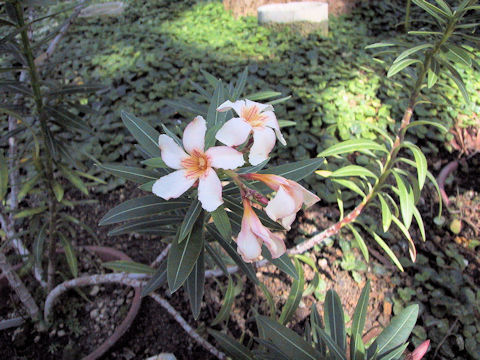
(406, 201)
(361, 243)
(69, 254)
(394, 354)
(217, 258)
(398, 331)
(437, 13)
(351, 146)
(379, 45)
(294, 296)
(418, 218)
(141, 207)
(74, 179)
(387, 250)
(191, 217)
(27, 186)
(232, 347)
(30, 212)
(421, 162)
(38, 245)
(155, 162)
(138, 175)
(444, 6)
(353, 170)
(195, 285)
(283, 262)
(66, 119)
(215, 117)
(227, 304)
(400, 65)
(287, 340)
(460, 54)
(426, 122)
(212, 80)
(411, 246)
(262, 95)
(222, 222)
(335, 319)
(186, 105)
(57, 190)
(157, 280)
(349, 184)
(183, 255)
(335, 350)
(128, 267)
(411, 51)
(143, 226)
(386, 213)
(240, 85)
(359, 317)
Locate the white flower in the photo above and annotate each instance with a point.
(254, 117)
(287, 201)
(253, 234)
(195, 165)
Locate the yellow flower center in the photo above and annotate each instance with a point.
(197, 164)
(253, 116)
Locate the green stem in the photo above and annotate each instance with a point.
(48, 165)
(407, 15)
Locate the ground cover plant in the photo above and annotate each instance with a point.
(386, 171)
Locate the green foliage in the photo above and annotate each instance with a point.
(329, 341)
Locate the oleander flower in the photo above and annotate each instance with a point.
(253, 234)
(419, 351)
(253, 117)
(287, 201)
(195, 165)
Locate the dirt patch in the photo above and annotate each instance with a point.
(249, 7)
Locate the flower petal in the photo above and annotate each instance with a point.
(173, 185)
(282, 205)
(273, 123)
(309, 198)
(260, 107)
(210, 191)
(248, 245)
(194, 135)
(224, 157)
(274, 243)
(263, 143)
(234, 132)
(237, 106)
(172, 153)
(288, 220)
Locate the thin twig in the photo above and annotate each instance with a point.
(449, 332)
(160, 257)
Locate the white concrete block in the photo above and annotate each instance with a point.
(311, 11)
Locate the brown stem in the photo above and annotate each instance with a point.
(450, 167)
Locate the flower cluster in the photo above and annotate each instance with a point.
(197, 166)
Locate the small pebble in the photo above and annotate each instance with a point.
(95, 290)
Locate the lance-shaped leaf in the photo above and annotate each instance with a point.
(147, 225)
(386, 213)
(67, 119)
(404, 230)
(353, 170)
(215, 117)
(360, 242)
(387, 249)
(399, 66)
(421, 162)
(351, 146)
(232, 347)
(240, 85)
(216, 258)
(294, 297)
(76, 89)
(157, 280)
(155, 162)
(283, 262)
(411, 51)
(289, 342)
(74, 179)
(335, 319)
(183, 255)
(191, 217)
(222, 222)
(138, 175)
(141, 207)
(405, 194)
(398, 331)
(69, 254)
(227, 304)
(262, 95)
(129, 267)
(195, 285)
(38, 245)
(146, 135)
(335, 350)
(357, 349)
